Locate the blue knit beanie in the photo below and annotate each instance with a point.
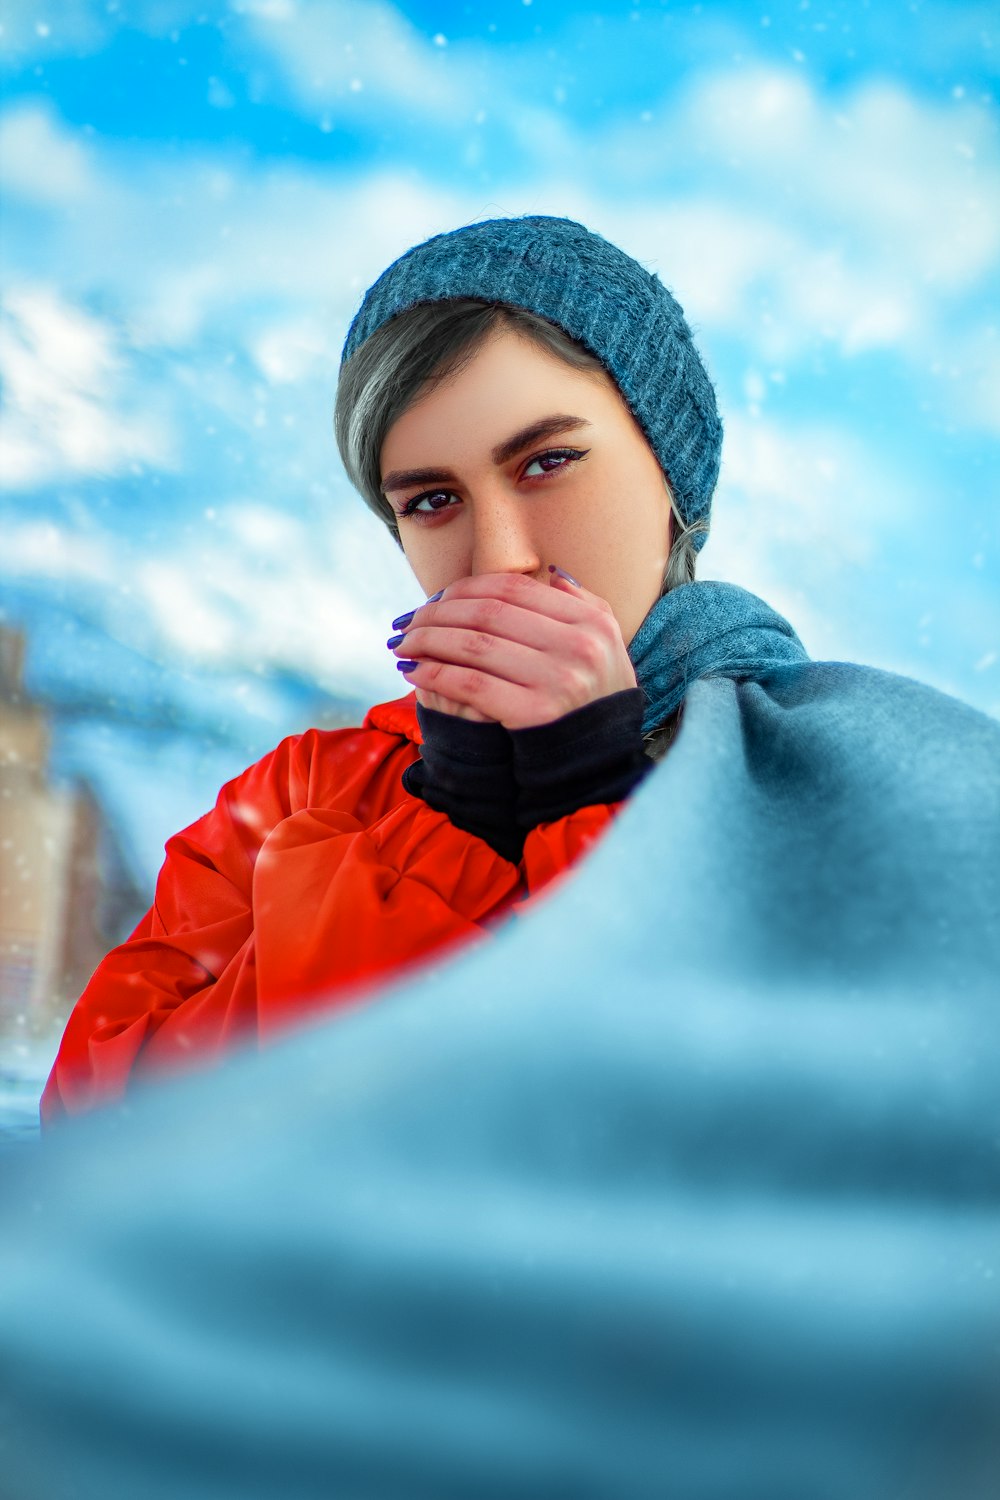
(599, 296)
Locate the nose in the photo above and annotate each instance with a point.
(502, 540)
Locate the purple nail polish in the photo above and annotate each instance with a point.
(394, 641)
(406, 666)
(568, 576)
(403, 620)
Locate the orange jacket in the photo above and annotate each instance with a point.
(314, 875)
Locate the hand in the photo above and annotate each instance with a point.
(504, 647)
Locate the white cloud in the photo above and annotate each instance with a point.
(263, 260)
(255, 587)
(40, 161)
(291, 351)
(846, 546)
(820, 487)
(279, 591)
(967, 369)
(788, 215)
(911, 181)
(40, 549)
(43, 29)
(801, 517)
(336, 52)
(31, 29)
(903, 179)
(67, 407)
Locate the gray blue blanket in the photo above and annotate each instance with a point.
(686, 1184)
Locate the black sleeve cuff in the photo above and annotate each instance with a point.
(592, 755)
(466, 772)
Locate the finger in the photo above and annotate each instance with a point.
(520, 591)
(561, 659)
(488, 621)
(507, 703)
(543, 629)
(559, 578)
(475, 648)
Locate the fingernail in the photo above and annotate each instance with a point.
(405, 619)
(406, 666)
(394, 641)
(562, 574)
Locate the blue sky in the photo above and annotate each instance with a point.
(196, 196)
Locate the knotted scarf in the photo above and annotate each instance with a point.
(706, 629)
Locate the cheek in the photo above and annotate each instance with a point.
(416, 560)
(628, 518)
(433, 556)
(652, 510)
(635, 538)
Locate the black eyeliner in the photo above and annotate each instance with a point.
(575, 454)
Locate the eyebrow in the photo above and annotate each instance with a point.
(545, 427)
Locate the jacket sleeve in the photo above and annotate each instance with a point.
(192, 953)
(573, 777)
(264, 908)
(590, 756)
(500, 784)
(466, 770)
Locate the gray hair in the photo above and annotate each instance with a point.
(420, 348)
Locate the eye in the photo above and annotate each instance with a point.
(552, 460)
(436, 500)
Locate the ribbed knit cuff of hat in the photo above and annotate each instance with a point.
(591, 755)
(466, 772)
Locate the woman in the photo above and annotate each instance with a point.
(699, 1180)
(522, 405)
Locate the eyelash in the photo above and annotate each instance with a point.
(573, 454)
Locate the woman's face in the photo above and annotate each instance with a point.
(519, 460)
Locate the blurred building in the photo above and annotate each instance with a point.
(53, 856)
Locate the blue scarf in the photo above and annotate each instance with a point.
(695, 1156)
(706, 629)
